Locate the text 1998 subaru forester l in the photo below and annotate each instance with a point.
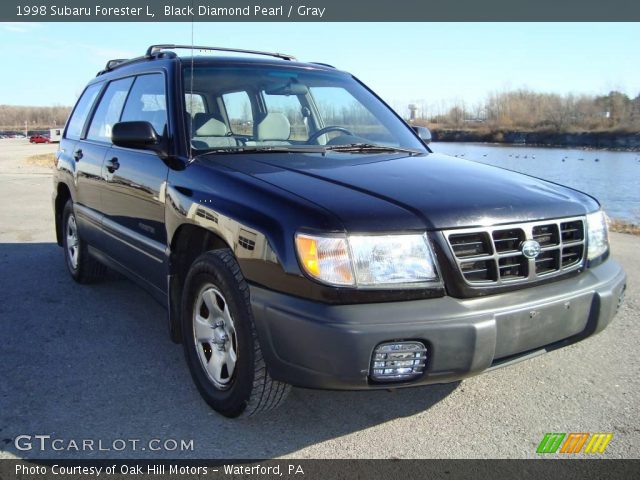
(300, 233)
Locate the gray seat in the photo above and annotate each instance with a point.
(211, 131)
(274, 129)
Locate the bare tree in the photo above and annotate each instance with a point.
(14, 117)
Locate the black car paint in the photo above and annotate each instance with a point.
(254, 204)
(391, 192)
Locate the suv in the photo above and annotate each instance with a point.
(299, 232)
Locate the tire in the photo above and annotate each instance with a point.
(82, 267)
(220, 341)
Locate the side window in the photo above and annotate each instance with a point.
(147, 102)
(79, 116)
(108, 112)
(290, 107)
(239, 112)
(194, 103)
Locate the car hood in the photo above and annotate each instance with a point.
(392, 191)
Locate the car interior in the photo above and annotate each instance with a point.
(229, 108)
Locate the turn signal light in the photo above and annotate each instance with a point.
(325, 258)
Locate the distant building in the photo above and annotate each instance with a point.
(413, 109)
(55, 134)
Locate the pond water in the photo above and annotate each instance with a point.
(611, 177)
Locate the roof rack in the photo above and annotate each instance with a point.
(323, 64)
(120, 62)
(115, 62)
(154, 49)
(157, 51)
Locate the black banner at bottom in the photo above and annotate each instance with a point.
(317, 469)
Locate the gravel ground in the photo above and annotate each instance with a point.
(95, 362)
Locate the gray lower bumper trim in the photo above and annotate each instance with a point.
(316, 345)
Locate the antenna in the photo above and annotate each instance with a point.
(191, 92)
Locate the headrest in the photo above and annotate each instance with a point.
(274, 126)
(205, 125)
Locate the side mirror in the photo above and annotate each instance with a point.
(138, 135)
(423, 133)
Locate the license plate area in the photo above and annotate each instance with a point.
(534, 327)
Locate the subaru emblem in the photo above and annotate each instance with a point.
(530, 248)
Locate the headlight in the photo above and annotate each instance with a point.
(367, 260)
(598, 236)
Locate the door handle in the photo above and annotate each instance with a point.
(77, 155)
(113, 165)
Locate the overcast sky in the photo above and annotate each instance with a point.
(50, 63)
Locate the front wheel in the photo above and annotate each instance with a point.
(220, 341)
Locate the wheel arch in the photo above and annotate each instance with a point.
(63, 195)
(188, 243)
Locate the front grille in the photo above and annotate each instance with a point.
(508, 240)
(493, 255)
(546, 235)
(471, 244)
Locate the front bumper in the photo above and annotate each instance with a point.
(310, 344)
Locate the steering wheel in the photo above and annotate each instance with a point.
(331, 128)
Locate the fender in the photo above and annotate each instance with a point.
(253, 218)
(243, 214)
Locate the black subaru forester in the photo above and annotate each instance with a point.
(299, 232)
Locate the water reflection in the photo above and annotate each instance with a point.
(612, 177)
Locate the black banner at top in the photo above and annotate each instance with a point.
(316, 10)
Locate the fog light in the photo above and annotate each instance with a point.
(398, 361)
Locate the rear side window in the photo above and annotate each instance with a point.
(147, 102)
(109, 110)
(194, 103)
(79, 116)
(239, 112)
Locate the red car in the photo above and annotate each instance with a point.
(39, 139)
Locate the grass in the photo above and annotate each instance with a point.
(622, 226)
(42, 160)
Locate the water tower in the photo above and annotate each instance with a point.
(413, 109)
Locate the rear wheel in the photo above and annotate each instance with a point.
(82, 267)
(220, 340)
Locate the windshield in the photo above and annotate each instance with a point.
(272, 108)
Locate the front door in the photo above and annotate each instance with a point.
(134, 193)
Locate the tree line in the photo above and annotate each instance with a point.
(13, 117)
(528, 110)
(510, 110)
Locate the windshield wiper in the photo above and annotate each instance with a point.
(351, 148)
(371, 148)
(267, 149)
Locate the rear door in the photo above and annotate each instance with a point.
(133, 199)
(71, 154)
(90, 152)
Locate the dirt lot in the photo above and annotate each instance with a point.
(95, 362)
